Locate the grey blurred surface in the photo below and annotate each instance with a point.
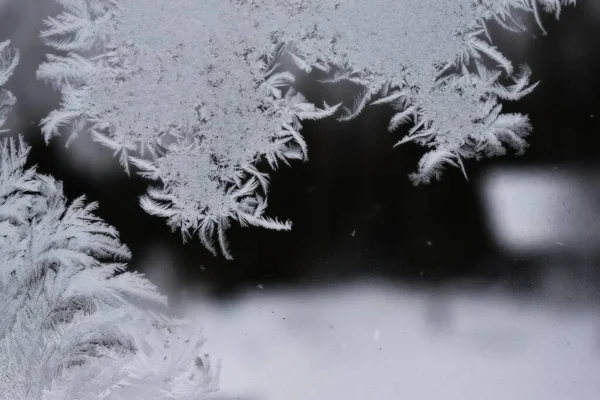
(377, 341)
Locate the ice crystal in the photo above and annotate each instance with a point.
(196, 93)
(69, 328)
(187, 90)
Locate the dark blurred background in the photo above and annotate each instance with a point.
(356, 215)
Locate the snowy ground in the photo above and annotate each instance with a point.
(371, 341)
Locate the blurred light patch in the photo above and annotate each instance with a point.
(539, 209)
(375, 341)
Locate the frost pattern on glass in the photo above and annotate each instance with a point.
(194, 93)
(433, 61)
(69, 328)
(9, 59)
(189, 92)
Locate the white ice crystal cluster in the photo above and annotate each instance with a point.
(69, 324)
(187, 91)
(195, 93)
(9, 59)
(434, 62)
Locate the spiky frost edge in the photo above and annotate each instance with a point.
(246, 190)
(78, 30)
(70, 237)
(67, 312)
(493, 129)
(9, 59)
(497, 128)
